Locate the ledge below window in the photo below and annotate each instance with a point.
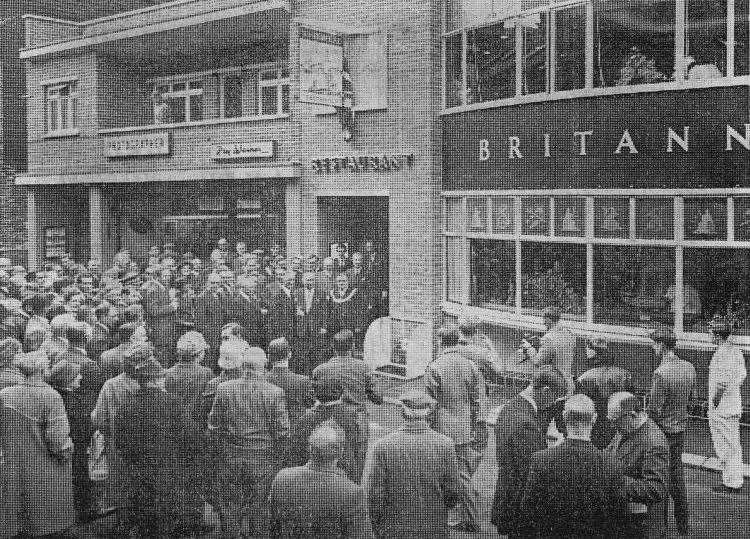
(62, 133)
(216, 121)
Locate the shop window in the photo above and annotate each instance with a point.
(178, 102)
(611, 217)
(534, 53)
(271, 92)
(654, 218)
(634, 42)
(717, 281)
(535, 216)
(570, 46)
(741, 48)
(705, 218)
(453, 214)
(491, 63)
(553, 274)
(742, 218)
(503, 215)
(570, 216)
(456, 269)
(633, 286)
(493, 273)
(476, 210)
(62, 107)
(453, 70)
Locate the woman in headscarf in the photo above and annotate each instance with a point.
(37, 497)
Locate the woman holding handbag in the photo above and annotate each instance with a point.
(36, 444)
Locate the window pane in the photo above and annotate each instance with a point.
(63, 112)
(633, 285)
(476, 208)
(503, 215)
(654, 218)
(455, 270)
(285, 98)
(453, 73)
(73, 112)
(570, 47)
(742, 218)
(269, 100)
(741, 49)
(493, 273)
(705, 36)
(554, 274)
(195, 85)
(570, 216)
(491, 63)
(717, 281)
(705, 218)
(634, 42)
(232, 97)
(452, 14)
(178, 86)
(535, 216)
(611, 217)
(176, 109)
(269, 75)
(53, 115)
(534, 53)
(453, 212)
(196, 108)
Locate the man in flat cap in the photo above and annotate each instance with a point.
(726, 373)
(414, 477)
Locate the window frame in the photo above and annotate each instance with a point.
(279, 81)
(516, 313)
(184, 94)
(71, 107)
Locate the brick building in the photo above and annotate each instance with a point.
(194, 120)
(13, 103)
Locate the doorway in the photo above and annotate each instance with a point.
(353, 220)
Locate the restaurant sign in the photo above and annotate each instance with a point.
(363, 163)
(138, 145)
(243, 150)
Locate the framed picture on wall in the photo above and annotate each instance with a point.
(55, 241)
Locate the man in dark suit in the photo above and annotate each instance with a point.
(672, 387)
(573, 490)
(282, 311)
(312, 324)
(414, 477)
(298, 389)
(161, 316)
(520, 431)
(211, 315)
(643, 452)
(112, 360)
(317, 500)
(101, 334)
(248, 310)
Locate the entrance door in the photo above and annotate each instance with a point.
(353, 220)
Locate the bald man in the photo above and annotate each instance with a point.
(317, 499)
(574, 478)
(643, 452)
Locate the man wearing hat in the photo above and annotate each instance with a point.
(186, 380)
(672, 385)
(414, 477)
(726, 373)
(599, 383)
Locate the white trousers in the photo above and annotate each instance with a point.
(725, 435)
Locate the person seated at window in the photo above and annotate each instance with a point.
(639, 69)
(161, 108)
(700, 70)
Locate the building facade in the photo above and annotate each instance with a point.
(595, 158)
(190, 121)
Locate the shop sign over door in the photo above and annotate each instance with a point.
(243, 150)
(138, 145)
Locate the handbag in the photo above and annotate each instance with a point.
(98, 462)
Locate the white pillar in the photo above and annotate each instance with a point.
(96, 223)
(32, 232)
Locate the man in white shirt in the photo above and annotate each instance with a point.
(726, 373)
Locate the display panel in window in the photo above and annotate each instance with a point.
(455, 269)
(717, 282)
(476, 210)
(611, 217)
(654, 218)
(503, 215)
(742, 218)
(634, 286)
(493, 273)
(553, 275)
(491, 63)
(62, 107)
(453, 70)
(535, 216)
(705, 218)
(634, 42)
(570, 216)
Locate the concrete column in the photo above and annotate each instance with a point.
(32, 232)
(96, 223)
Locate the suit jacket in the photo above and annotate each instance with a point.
(458, 387)
(413, 482)
(672, 385)
(644, 457)
(211, 315)
(484, 360)
(161, 315)
(186, 382)
(347, 312)
(246, 310)
(92, 376)
(111, 361)
(599, 384)
(298, 390)
(282, 313)
(558, 349)
(354, 376)
(518, 434)
(573, 491)
(306, 502)
(311, 320)
(324, 283)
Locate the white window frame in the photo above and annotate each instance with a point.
(182, 94)
(279, 81)
(52, 95)
(518, 315)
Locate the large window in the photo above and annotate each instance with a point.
(178, 101)
(621, 259)
(512, 49)
(61, 104)
(274, 92)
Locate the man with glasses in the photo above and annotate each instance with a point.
(643, 452)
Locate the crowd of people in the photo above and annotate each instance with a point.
(155, 393)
